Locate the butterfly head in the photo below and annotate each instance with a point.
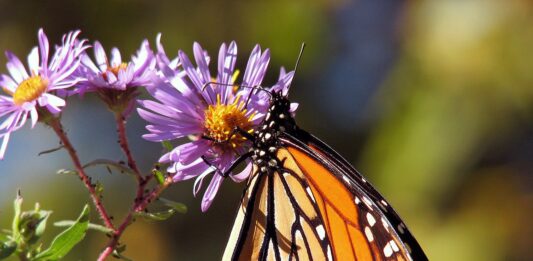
(277, 121)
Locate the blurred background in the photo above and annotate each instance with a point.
(431, 100)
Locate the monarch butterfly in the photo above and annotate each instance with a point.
(303, 201)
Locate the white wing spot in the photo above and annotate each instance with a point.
(394, 246)
(400, 228)
(371, 220)
(368, 234)
(346, 179)
(330, 257)
(363, 179)
(382, 207)
(385, 224)
(286, 174)
(272, 163)
(408, 247)
(387, 250)
(268, 136)
(310, 193)
(384, 202)
(357, 200)
(321, 232)
(298, 235)
(367, 202)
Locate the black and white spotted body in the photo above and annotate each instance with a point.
(266, 139)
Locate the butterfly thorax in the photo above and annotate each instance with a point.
(266, 143)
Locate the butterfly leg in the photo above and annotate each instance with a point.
(236, 163)
(242, 132)
(234, 132)
(233, 165)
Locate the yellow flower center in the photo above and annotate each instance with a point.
(115, 70)
(29, 90)
(221, 120)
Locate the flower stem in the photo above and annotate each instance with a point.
(123, 141)
(139, 206)
(58, 129)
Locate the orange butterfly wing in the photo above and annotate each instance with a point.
(316, 207)
(351, 222)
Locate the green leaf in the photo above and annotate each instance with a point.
(179, 207)
(92, 226)
(50, 150)
(67, 239)
(110, 163)
(7, 248)
(156, 216)
(167, 145)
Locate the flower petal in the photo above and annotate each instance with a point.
(33, 61)
(197, 80)
(15, 67)
(211, 192)
(5, 140)
(8, 83)
(185, 172)
(34, 116)
(200, 58)
(200, 180)
(226, 66)
(100, 56)
(44, 49)
(244, 174)
(116, 58)
(191, 151)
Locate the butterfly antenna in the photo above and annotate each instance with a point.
(299, 57)
(298, 60)
(258, 87)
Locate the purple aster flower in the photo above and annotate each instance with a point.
(193, 103)
(33, 93)
(113, 79)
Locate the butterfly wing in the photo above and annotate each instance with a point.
(316, 207)
(276, 221)
(381, 226)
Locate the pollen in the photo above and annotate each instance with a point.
(118, 68)
(29, 90)
(222, 121)
(115, 70)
